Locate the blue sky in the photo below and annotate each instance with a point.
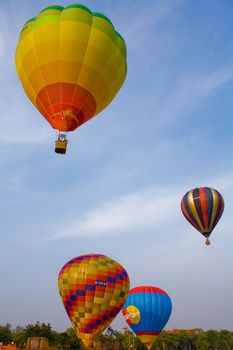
(118, 189)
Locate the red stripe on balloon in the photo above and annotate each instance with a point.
(204, 206)
(147, 289)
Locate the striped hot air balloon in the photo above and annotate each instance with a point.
(71, 62)
(147, 310)
(93, 289)
(203, 207)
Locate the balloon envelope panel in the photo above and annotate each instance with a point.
(93, 289)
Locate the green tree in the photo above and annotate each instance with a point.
(166, 341)
(19, 336)
(185, 340)
(128, 339)
(6, 334)
(161, 342)
(230, 340)
(223, 340)
(74, 342)
(40, 330)
(212, 338)
(66, 340)
(202, 342)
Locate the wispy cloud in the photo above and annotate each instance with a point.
(14, 182)
(17, 125)
(130, 212)
(147, 209)
(20, 123)
(213, 81)
(150, 17)
(190, 90)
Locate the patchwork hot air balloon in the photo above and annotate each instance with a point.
(203, 207)
(147, 310)
(71, 63)
(93, 289)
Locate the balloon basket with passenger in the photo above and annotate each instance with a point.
(61, 143)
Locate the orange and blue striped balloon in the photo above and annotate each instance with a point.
(147, 310)
(203, 207)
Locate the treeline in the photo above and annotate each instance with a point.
(196, 340)
(60, 340)
(193, 340)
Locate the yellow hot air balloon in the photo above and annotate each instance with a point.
(71, 63)
(93, 289)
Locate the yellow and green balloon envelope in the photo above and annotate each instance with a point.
(71, 63)
(93, 289)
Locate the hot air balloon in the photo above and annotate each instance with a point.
(93, 289)
(71, 63)
(147, 310)
(203, 207)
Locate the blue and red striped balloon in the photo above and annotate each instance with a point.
(147, 310)
(203, 207)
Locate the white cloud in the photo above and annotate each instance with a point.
(213, 81)
(190, 90)
(146, 210)
(143, 209)
(20, 123)
(150, 16)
